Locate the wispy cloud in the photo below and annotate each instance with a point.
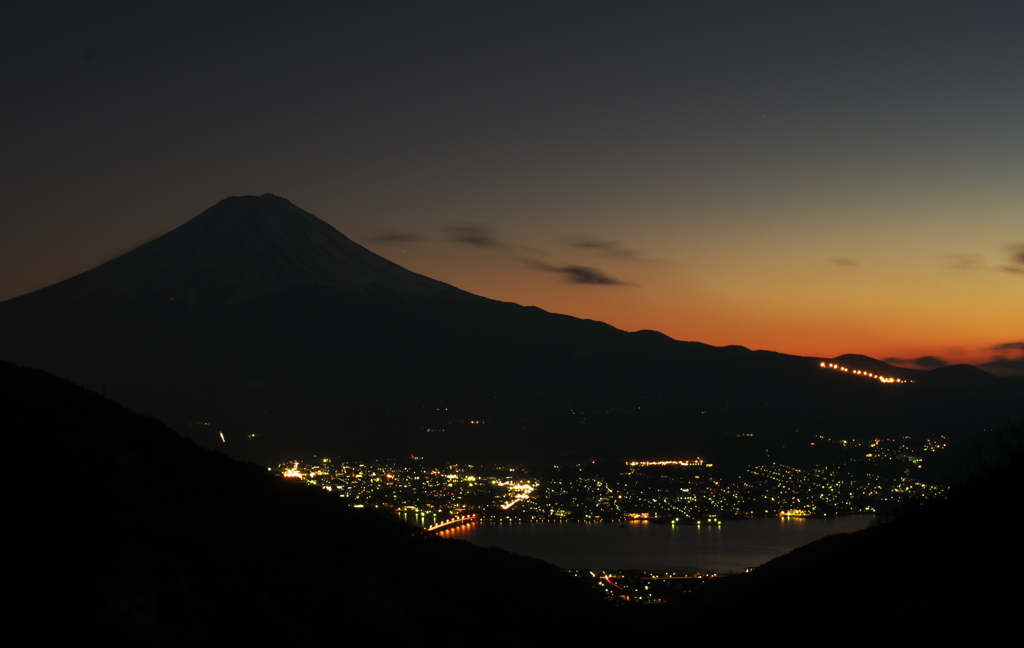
(604, 248)
(477, 235)
(1008, 346)
(964, 261)
(846, 262)
(1004, 363)
(577, 274)
(1016, 258)
(1000, 361)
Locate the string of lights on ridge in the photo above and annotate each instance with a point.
(866, 374)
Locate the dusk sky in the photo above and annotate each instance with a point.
(811, 178)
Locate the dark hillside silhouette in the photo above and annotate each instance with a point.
(131, 533)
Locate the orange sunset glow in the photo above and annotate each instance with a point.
(813, 182)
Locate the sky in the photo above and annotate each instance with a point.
(810, 178)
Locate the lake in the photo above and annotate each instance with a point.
(730, 547)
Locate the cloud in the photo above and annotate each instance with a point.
(846, 262)
(532, 250)
(391, 236)
(1017, 258)
(604, 248)
(928, 362)
(1009, 345)
(577, 274)
(964, 261)
(1017, 253)
(478, 235)
(1004, 363)
(1001, 361)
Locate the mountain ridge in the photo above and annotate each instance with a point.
(264, 322)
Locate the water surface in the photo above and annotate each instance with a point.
(730, 547)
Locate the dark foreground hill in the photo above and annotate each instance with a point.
(259, 320)
(126, 532)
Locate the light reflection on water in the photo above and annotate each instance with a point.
(730, 547)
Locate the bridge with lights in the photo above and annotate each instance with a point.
(468, 519)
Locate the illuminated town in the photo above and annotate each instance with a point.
(641, 586)
(873, 475)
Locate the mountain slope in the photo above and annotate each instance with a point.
(258, 320)
(241, 248)
(134, 534)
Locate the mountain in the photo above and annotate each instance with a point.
(259, 324)
(243, 248)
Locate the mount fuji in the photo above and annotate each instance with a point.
(244, 248)
(258, 328)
